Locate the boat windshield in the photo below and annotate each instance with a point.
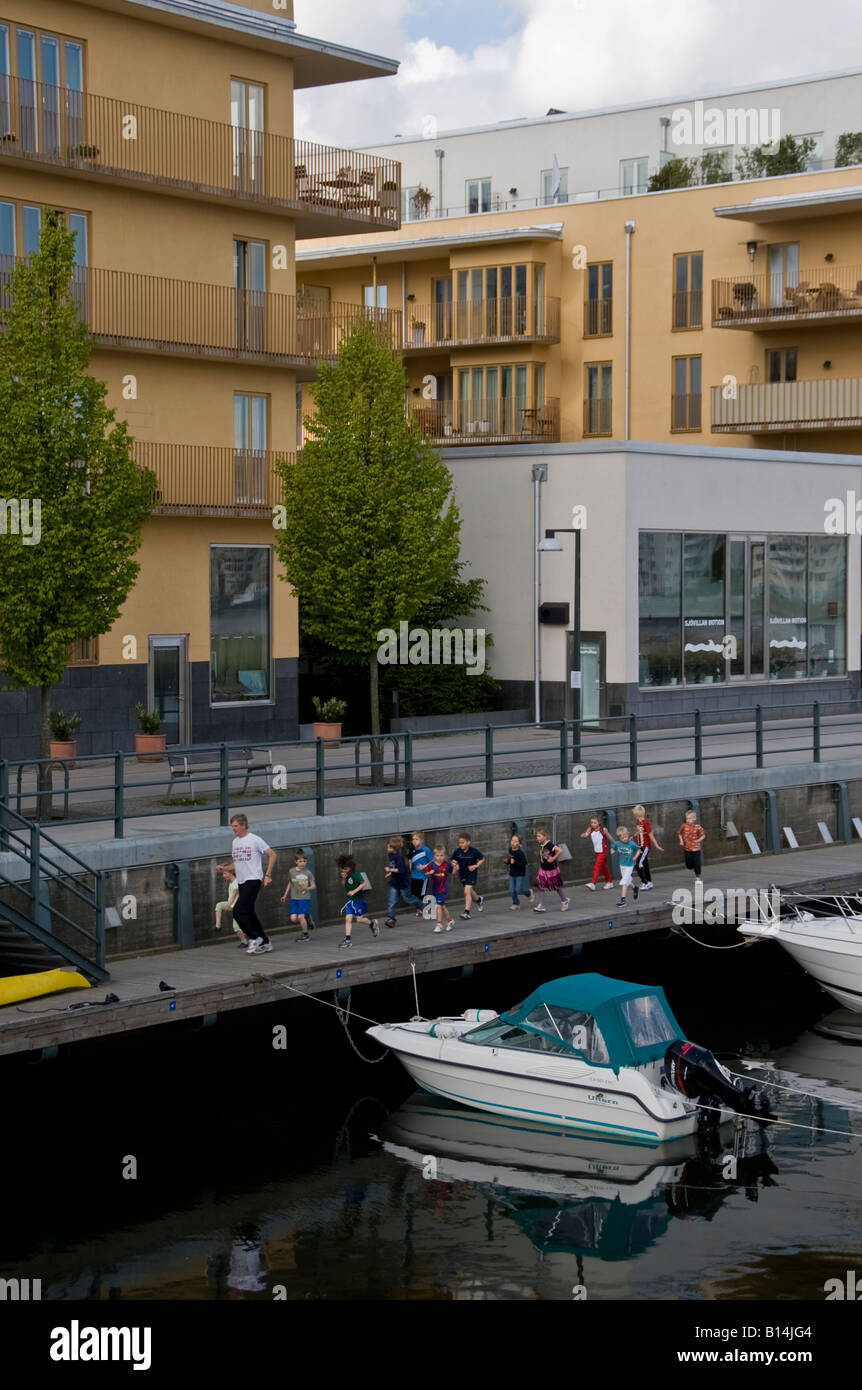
(500, 1034)
(559, 1030)
(647, 1021)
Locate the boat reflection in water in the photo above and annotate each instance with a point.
(572, 1193)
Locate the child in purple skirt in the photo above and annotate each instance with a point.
(548, 879)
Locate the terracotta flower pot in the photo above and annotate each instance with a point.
(148, 747)
(65, 752)
(330, 733)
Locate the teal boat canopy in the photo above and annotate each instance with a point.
(611, 1023)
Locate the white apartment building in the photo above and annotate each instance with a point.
(582, 156)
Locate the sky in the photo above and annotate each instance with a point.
(474, 62)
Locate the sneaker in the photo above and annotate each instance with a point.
(419, 912)
(608, 887)
(698, 880)
(373, 927)
(621, 902)
(255, 947)
(513, 907)
(564, 904)
(635, 892)
(480, 903)
(540, 909)
(591, 886)
(450, 924)
(647, 886)
(530, 896)
(439, 927)
(345, 943)
(465, 917)
(242, 945)
(267, 946)
(390, 922)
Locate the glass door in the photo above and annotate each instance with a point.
(591, 682)
(246, 118)
(168, 685)
(783, 272)
(249, 278)
(250, 449)
(442, 326)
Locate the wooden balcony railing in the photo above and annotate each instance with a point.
(826, 294)
(205, 480)
(598, 317)
(512, 320)
(101, 137)
(147, 313)
(501, 420)
(826, 403)
(598, 416)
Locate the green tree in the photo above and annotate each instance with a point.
(848, 149)
(371, 528)
(787, 156)
(713, 167)
(676, 173)
(65, 459)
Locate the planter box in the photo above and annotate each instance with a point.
(330, 733)
(149, 748)
(64, 752)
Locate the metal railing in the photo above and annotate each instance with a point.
(207, 480)
(685, 412)
(598, 415)
(687, 309)
(115, 788)
(144, 145)
(824, 294)
(598, 317)
(462, 321)
(497, 420)
(824, 403)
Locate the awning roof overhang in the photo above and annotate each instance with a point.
(823, 202)
(423, 248)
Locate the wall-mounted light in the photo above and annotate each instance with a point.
(513, 192)
(416, 390)
(827, 365)
(411, 296)
(751, 248)
(829, 256)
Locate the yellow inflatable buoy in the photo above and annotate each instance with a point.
(16, 987)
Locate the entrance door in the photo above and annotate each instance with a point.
(249, 279)
(442, 327)
(168, 683)
(591, 682)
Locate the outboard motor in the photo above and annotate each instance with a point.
(694, 1072)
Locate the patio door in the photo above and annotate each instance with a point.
(168, 685)
(783, 272)
(442, 325)
(249, 278)
(246, 118)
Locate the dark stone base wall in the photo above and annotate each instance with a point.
(105, 697)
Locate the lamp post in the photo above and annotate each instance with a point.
(550, 543)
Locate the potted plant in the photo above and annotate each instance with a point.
(418, 332)
(327, 725)
(149, 742)
(64, 745)
(421, 200)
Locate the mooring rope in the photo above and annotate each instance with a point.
(750, 941)
(343, 1016)
(761, 1081)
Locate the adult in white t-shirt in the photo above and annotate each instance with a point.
(247, 852)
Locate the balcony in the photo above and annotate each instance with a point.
(827, 403)
(598, 416)
(93, 137)
(771, 301)
(183, 318)
(469, 322)
(598, 318)
(501, 420)
(205, 480)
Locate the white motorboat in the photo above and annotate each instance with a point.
(592, 1054)
(824, 935)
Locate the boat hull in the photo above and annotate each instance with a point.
(833, 960)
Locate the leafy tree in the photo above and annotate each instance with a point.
(676, 173)
(64, 454)
(786, 156)
(371, 530)
(713, 168)
(848, 149)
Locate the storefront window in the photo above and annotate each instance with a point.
(788, 640)
(239, 623)
(660, 608)
(704, 619)
(827, 626)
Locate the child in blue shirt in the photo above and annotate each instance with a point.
(628, 853)
(468, 860)
(420, 857)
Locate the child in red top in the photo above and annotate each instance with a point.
(691, 837)
(602, 842)
(644, 838)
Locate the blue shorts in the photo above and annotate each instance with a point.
(355, 907)
(300, 906)
(440, 899)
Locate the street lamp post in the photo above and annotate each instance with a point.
(550, 543)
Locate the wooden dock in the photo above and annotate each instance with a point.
(218, 978)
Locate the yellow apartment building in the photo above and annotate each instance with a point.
(163, 130)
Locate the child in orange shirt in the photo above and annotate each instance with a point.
(691, 837)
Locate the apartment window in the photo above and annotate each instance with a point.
(598, 403)
(598, 309)
(478, 195)
(719, 167)
(249, 278)
(815, 159)
(781, 364)
(555, 186)
(492, 301)
(84, 652)
(500, 400)
(250, 442)
(20, 233)
(782, 598)
(686, 394)
(688, 290)
(415, 203)
(43, 108)
(240, 592)
(633, 175)
(375, 298)
(247, 122)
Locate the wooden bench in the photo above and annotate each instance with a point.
(242, 762)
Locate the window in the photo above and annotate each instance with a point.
(598, 404)
(501, 400)
(686, 394)
(781, 364)
(249, 278)
(415, 203)
(633, 175)
(84, 652)
(815, 159)
(478, 195)
(598, 309)
(647, 1021)
(783, 273)
(43, 110)
(250, 439)
(555, 186)
(719, 164)
(368, 296)
(688, 290)
(239, 624)
(246, 118)
(782, 599)
(20, 232)
(578, 1029)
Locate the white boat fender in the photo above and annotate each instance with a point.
(478, 1015)
(443, 1029)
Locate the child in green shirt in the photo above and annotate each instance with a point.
(355, 883)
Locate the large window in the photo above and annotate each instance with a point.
(239, 624)
(598, 308)
(688, 290)
(555, 186)
(717, 608)
(43, 109)
(686, 394)
(478, 195)
(633, 175)
(598, 400)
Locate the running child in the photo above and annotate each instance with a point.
(228, 873)
(691, 837)
(516, 862)
(548, 879)
(398, 877)
(602, 842)
(420, 855)
(628, 853)
(438, 872)
(355, 884)
(299, 888)
(468, 861)
(645, 840)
